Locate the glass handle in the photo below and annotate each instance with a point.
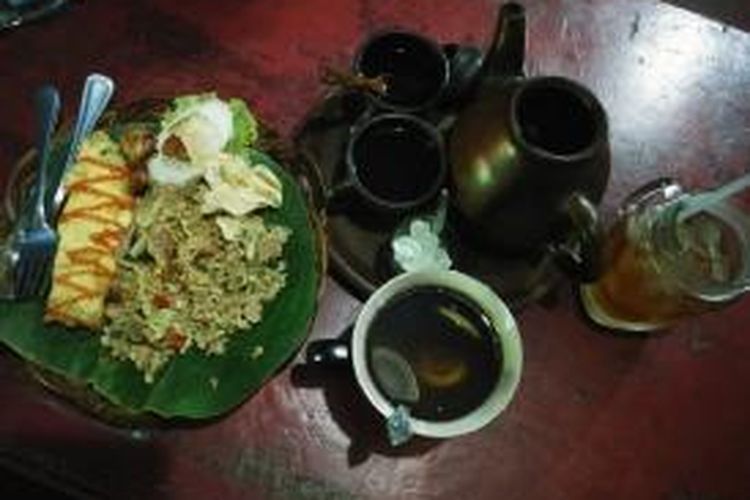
(661, 189)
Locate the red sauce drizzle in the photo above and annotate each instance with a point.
(90, 260)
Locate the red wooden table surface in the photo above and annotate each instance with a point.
(597, 416)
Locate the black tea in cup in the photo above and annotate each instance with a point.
(415, 69)
(395, 162)
(431, 349)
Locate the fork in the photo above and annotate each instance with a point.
(33, 238)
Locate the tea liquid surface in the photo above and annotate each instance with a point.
(435, 352)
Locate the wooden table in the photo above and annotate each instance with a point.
(597, 416)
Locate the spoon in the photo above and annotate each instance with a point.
(97, 91)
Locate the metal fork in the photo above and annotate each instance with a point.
(33, 238)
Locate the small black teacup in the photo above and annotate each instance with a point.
(394, 163)
(415, 69)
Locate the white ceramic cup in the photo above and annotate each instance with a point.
(503, 325)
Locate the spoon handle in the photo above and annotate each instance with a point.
(97, 92)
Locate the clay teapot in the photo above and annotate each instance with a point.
(529, 156)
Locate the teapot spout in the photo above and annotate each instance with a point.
(508, 48)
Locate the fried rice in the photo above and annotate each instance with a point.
(186, 282)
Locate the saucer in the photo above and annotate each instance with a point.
(359, 240)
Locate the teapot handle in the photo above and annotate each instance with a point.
(508, 47)
(579, 254)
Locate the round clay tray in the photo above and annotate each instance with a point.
(359, 240)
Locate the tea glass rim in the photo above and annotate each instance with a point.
(733, 289)
(504, 326)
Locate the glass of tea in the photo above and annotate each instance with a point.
(660, 265)
(439, 344)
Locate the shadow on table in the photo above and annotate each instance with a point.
(63, 468)
(354, 414)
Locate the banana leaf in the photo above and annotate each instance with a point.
(193, 385)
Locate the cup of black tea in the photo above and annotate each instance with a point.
(394, 163)
(415, 70)
(442, 346)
